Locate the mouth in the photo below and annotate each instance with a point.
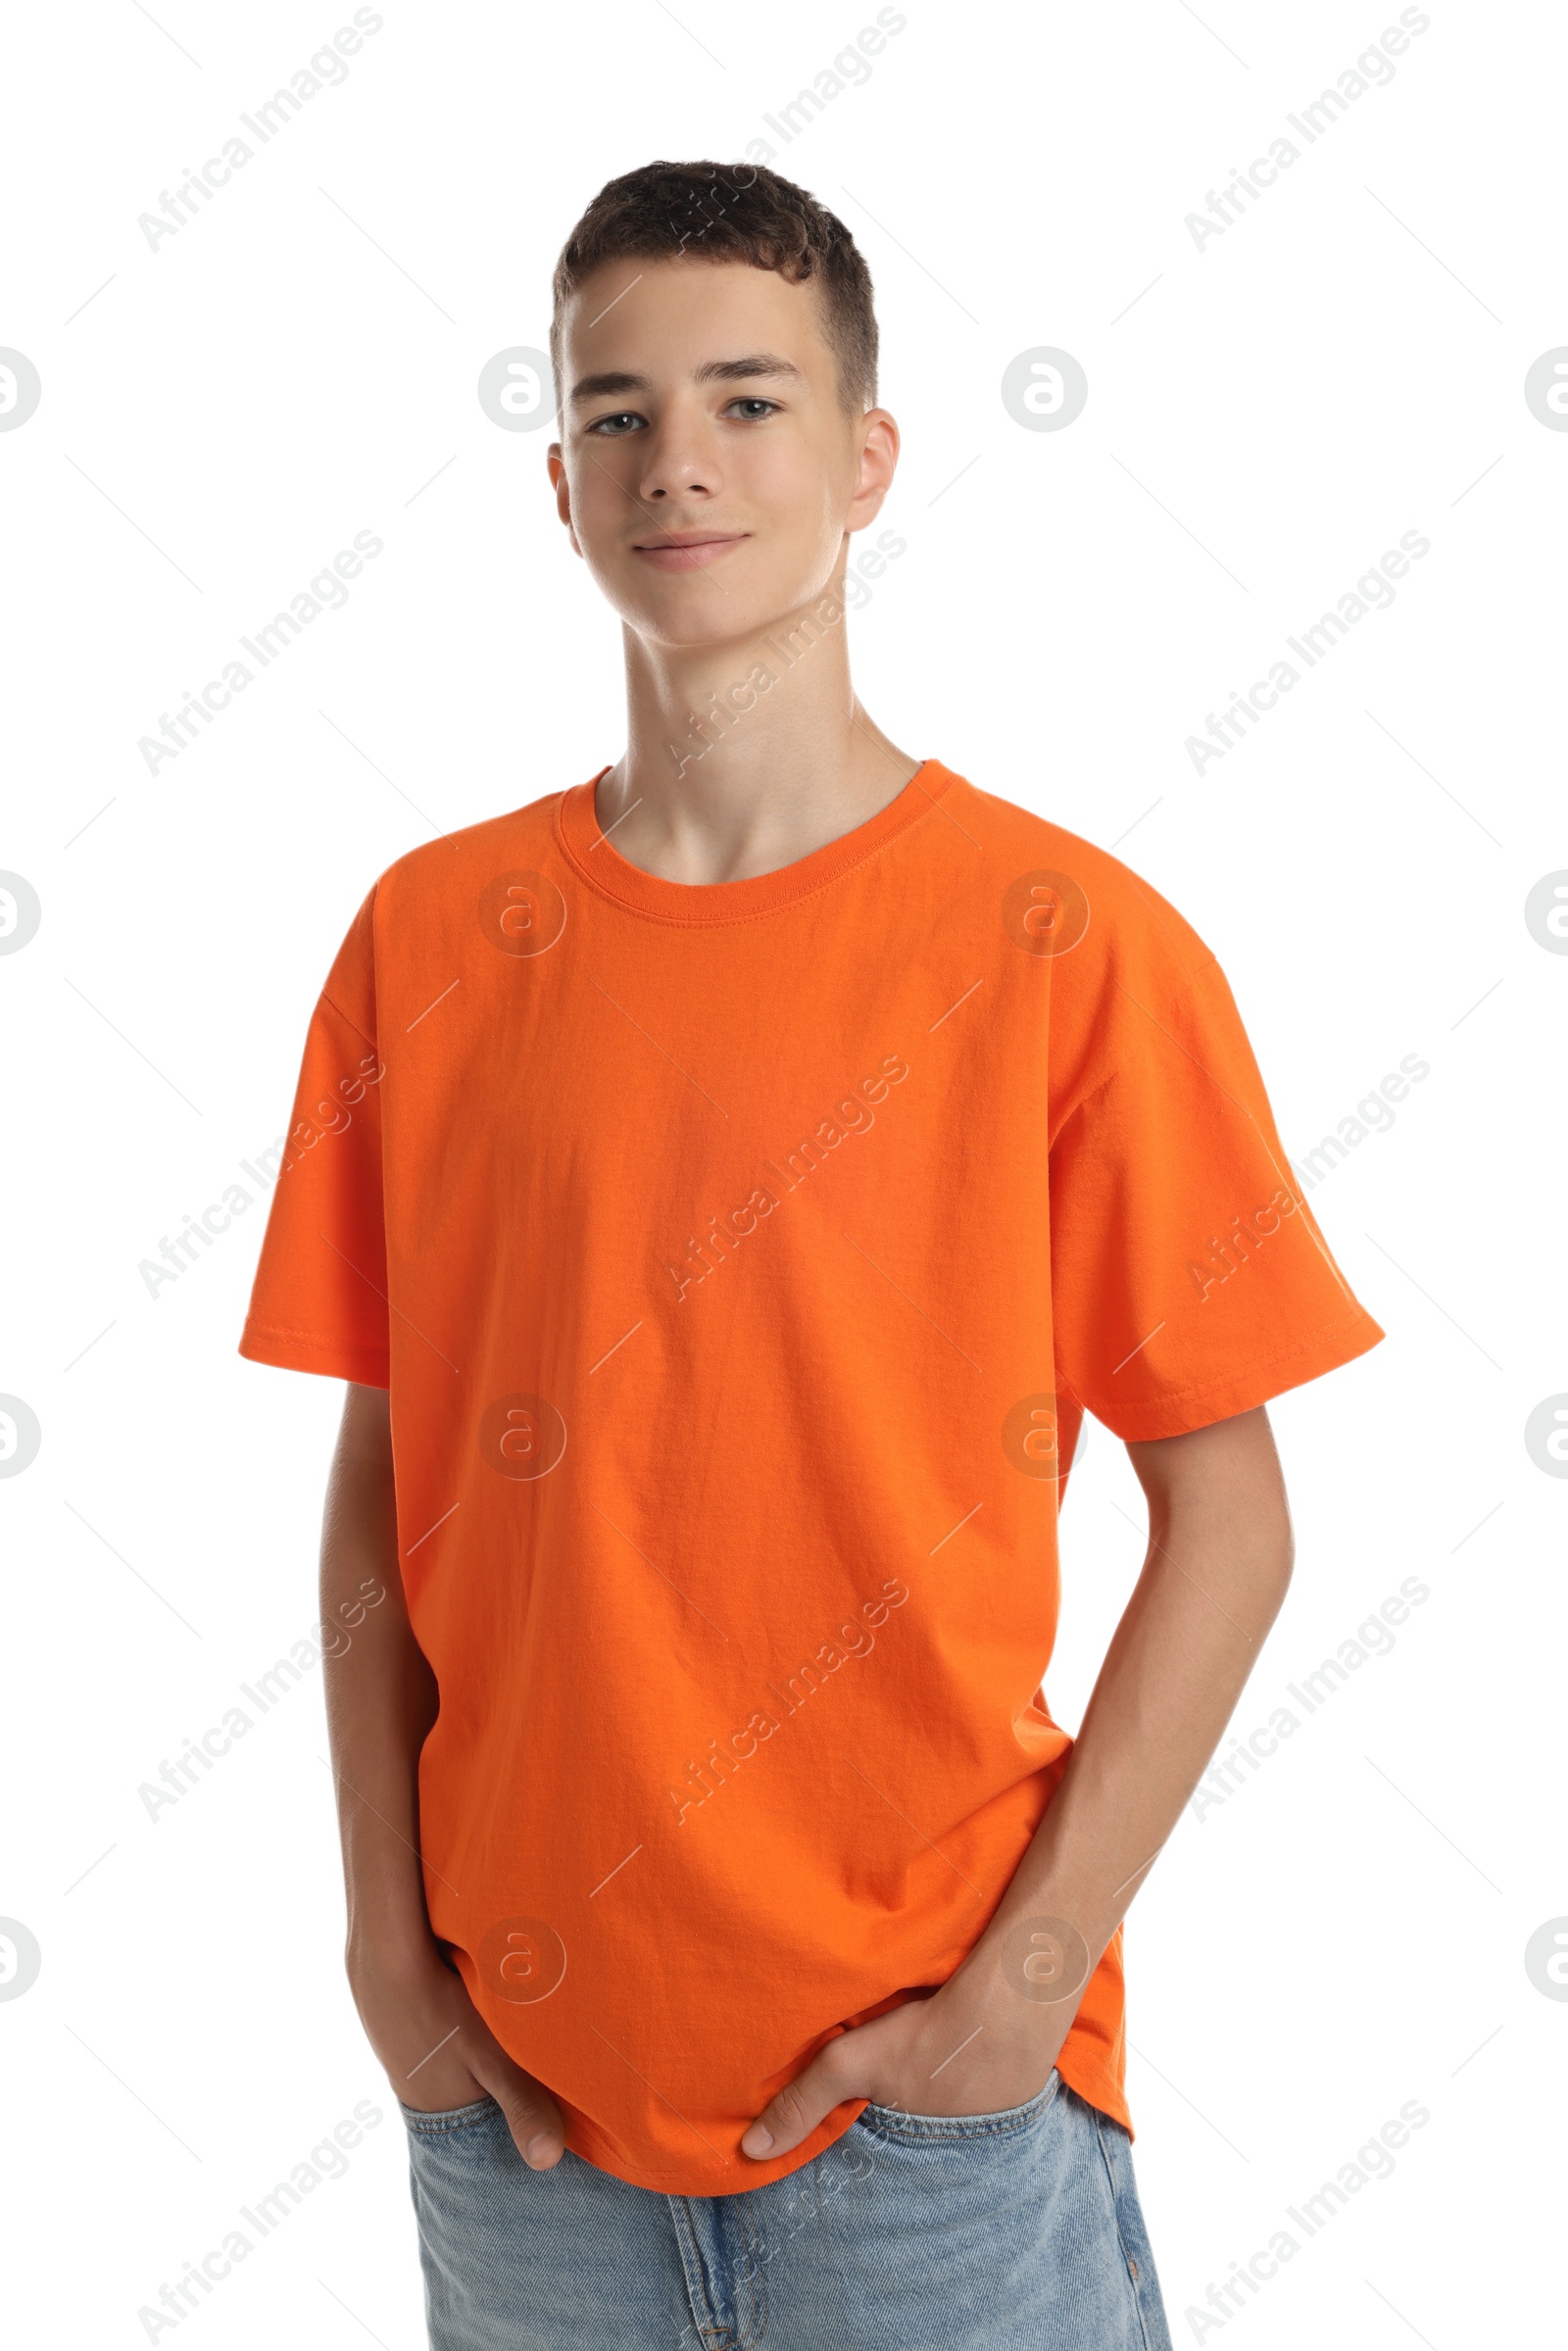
(686, 550)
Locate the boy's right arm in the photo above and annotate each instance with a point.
(382, 1702)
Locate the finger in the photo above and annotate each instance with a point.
(798, 2107)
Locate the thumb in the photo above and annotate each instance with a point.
(532, 2116)
(794, 2114)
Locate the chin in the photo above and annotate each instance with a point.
(688, 612)
(700, 617)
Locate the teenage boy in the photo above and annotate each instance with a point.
(724, 1185)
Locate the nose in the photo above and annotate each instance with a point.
(679, 459)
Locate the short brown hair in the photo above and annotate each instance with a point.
(730, 213)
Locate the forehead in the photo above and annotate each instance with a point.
(663, 320)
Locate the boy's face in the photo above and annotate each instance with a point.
(701, 405)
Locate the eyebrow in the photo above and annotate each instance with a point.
(737, 370)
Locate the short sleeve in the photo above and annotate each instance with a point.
(319, 1301)
(1190, 1280)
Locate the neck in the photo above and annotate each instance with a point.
(746, 757)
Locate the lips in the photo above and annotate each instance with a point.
(686, 551)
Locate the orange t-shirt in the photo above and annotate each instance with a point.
(741, 1261)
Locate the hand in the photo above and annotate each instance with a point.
(973, 2047)
(439, 2052)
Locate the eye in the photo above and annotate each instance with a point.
(612, 427)
(758, 406)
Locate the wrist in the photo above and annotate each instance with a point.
(1024, 1979)
(396, 1947)
(986, 2039)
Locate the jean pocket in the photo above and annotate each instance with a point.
(427, 2124)
(945, 2129)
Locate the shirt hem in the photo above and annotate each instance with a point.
(586, 2140)
(1090, 2081)
(1198, 1407)
(302, 1350)
(1095, 2085)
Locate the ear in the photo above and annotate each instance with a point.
(557, 464)
(879, 462)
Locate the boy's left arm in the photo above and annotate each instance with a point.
(1216, 1572)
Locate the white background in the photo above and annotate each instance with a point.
(220, 415)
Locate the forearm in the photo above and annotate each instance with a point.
(380, 1693)
(1218, 1564)
(1216, 1572)
(382, 1700)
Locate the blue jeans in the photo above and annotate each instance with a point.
(1011, 2232)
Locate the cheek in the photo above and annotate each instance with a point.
(802, 484)
(806, 535)
(600, 478)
